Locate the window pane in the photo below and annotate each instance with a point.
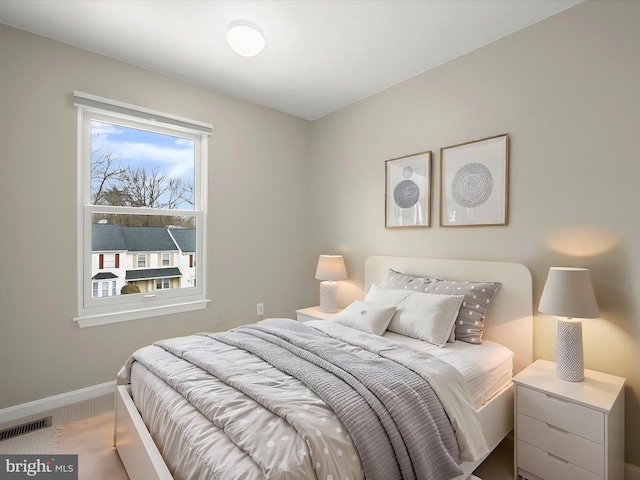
(138, 168)
(154, 253)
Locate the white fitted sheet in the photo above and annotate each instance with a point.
(487, 368)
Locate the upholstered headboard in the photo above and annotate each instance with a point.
(509, 319)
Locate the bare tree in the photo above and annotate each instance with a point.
(138, 187)
(143, 188)
(105, 172)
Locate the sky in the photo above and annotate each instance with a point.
(138, 148)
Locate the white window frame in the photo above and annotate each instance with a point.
(109, 260)
(100, 311)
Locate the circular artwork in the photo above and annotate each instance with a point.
(472, 185)
(406, 194)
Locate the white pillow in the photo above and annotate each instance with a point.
(367, 317)
(427, 317)
(386, 296)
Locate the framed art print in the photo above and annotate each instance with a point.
(474, 183)
(408, 191)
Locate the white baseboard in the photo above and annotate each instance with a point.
(38, 406)
(631, 472)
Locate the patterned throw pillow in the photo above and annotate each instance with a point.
(477, 297)
(401, 281)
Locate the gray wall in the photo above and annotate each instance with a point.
(566, 90)
(258, 242)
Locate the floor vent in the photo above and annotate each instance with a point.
(18, 430)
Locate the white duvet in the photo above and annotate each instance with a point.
(256, 422)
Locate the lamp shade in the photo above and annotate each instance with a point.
(568, 293)
(331, 267)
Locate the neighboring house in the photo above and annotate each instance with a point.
(153, 258)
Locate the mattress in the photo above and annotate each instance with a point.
(196, 455)
(487, 368)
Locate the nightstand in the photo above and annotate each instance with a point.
(314, 313)
(568, 430)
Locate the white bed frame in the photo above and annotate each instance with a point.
(509, 322)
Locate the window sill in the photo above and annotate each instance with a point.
(89, 320)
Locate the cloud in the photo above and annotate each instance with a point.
(173, 156)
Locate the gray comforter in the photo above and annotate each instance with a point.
(394, 418)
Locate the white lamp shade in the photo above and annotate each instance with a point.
(331, 267)
(568, 293)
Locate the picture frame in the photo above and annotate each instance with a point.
(474, 183)
(408, 191)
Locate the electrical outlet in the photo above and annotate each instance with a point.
(260, 309)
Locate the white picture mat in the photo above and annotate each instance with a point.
(492, 153)
(419, 214)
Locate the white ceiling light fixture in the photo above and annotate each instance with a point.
(245, 38)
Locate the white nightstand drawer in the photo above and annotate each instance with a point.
(549, 467)
(584, 422)
(577, 450)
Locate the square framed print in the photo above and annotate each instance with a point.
(408, 191)
(474, 183)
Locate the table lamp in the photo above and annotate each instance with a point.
(568, 295)
(330, 268)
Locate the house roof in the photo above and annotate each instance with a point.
(107, 238)
(147, 239)
(147, 273)
(104, 276)
(110, 237)
(185, 238)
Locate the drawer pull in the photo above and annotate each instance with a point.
(558, 459)
(559, 430)
(556, 399)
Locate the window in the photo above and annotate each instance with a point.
(109, 260)
(141, 188)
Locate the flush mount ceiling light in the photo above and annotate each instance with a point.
(245, 38)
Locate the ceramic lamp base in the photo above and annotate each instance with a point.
(569, 356)
(328, 297)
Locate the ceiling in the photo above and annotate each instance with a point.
(320, 56)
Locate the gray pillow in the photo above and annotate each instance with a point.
(477, 297)
(402, 281)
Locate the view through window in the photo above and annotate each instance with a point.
(136, 168)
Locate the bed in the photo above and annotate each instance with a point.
(508, 324)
